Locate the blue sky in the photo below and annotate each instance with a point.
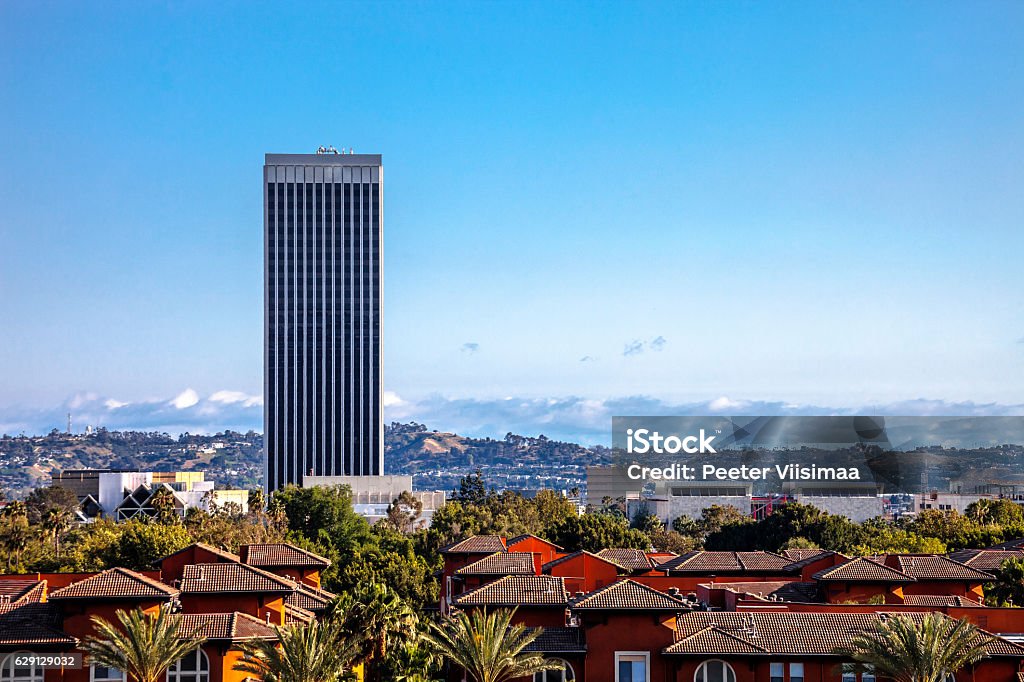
(711, 206)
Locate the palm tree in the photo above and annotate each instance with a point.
(145, 645)
(15, 532)
(378, 614)
(906, 649)
(487, 646)
(1008, 586)
(311, 652)
(56, 522)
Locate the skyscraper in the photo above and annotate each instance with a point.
(322, 216)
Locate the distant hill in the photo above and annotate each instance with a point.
(436, 459)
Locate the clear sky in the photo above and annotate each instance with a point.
(589, 206)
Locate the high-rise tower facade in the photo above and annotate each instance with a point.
(323, 217)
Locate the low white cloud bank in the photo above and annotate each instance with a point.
(572, 418)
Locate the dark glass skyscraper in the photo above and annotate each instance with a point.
(322, 216)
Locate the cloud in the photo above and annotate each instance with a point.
(633, 348)
(232, 397)
(470, 348)
(636, 346)
(185, 399)
(572, 418)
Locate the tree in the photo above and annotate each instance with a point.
(303, 652)
(472, 489)
(55, 522)
(487, 646)
(594, 532)
(163, 503)
(905, 649)
(42, 500)
(404, 512)
(995, 512)
(378, 614)
(1008, 587)
(15, 531)
(145, 645)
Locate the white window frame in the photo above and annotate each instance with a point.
(724, 662)
(93, 678)
(174, 673)
(37, 673)
(633, 655)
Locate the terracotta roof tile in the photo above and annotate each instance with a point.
(527, 536)
(30, 624)
(477, 544)
(938, 568)
(206, 578)
(778, 633)
(308, 598)
(633, 559)
(775, 590)
(518, 590)
(223, 554)
(224, 626)
(115, 583)
(501, 563)
(560, 560)
(727, 562)
(297, 614)
(802, 554)
(986, 559)
(628, 595)
(559, 640)
(281, 555)
(861, 569)
(938, 600)
(22, 590)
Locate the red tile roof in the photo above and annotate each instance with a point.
(780, 590)
(22, 590)
(232, 627)
(518, 590)
(308, 598)
(707, 633)
(476, 544)
(501, 563)
(986, 559)
(931, 567)
(281, 555)
(29, 624)
(727, 562)
(207, 578)
(223, 554)
(628, 595)
(938, 600)
(115, 583)
(581, 553)
(862, 570)
(527, 536)
(633, 559)
(559, 640)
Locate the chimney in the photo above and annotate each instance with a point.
(673, 591)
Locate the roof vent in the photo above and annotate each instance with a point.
(673, 591)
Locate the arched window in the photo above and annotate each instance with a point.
(714, 671)
(564, 675)
(12, 672)
(195, 667)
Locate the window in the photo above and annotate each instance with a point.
(631, 666)
(22, 673)
(796, 672)
(194, 667)
(565, 675)
(99, 673)
(778, 672)
(849, 676)
(868, 675)
(714, 671)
